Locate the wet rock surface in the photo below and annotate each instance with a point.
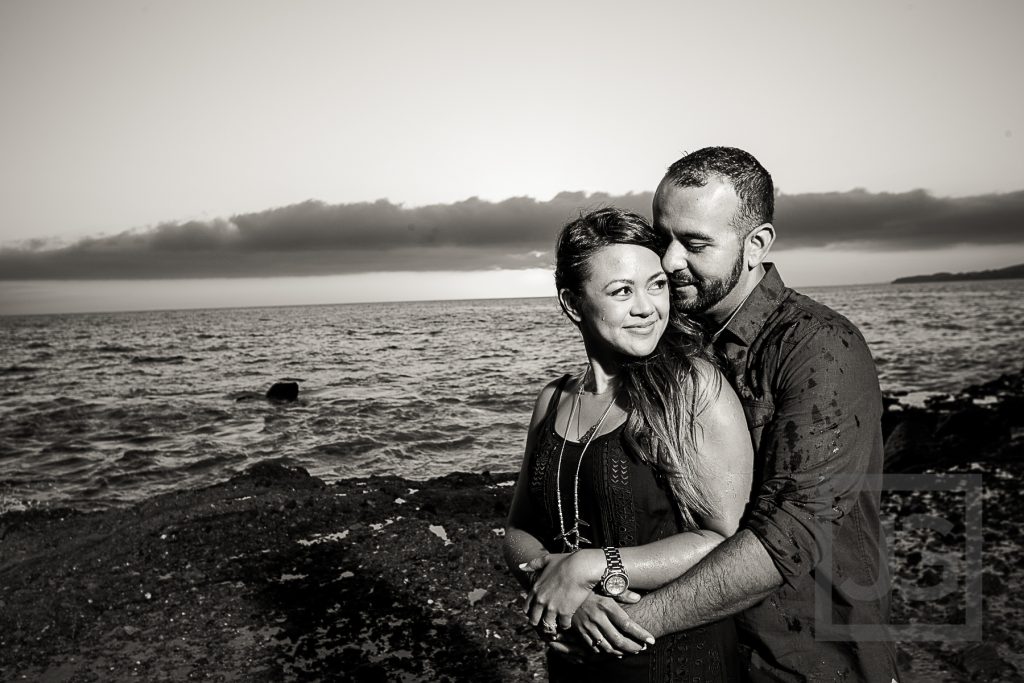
(270, 576)
(983, 423)
(274, 575)
(954, 532)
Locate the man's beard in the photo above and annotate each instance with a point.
(710, 291)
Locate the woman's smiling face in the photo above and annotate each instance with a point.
(624, 305)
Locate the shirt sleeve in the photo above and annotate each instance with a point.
(821, 444)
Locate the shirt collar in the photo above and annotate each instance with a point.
(745, 324)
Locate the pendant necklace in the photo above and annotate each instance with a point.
(571, 538)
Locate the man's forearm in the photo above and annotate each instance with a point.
(735, 575)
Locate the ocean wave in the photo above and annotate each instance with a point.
(20, 370)
(193, 396)
(246, 396)
(135, 456)
(492, 401)
(445, 445)
(171, 360)
(113, 348)
(347, 447)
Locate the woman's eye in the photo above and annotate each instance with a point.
(622, 291)
(658, 285)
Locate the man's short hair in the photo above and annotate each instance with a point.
(749, 179)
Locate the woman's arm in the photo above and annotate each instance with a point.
(725, 463)
(521, 546)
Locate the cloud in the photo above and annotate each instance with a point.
(909, 220)
(314, 238)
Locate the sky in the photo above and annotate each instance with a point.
(245, 152)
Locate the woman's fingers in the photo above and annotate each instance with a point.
(540, 609)
(534, 612)
(619, 635)
(604, 638)
(547, 617)
(601, 642)
(620, 622)
(564, 621)
(554, 620)
(536, 564)
(627, 597)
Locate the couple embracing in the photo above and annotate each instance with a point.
(700, 500)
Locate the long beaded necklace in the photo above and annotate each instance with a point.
(574, 545)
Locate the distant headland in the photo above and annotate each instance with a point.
(1009, 273)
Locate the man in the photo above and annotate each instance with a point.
(806, 573)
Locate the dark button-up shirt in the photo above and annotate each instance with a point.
(810, 392)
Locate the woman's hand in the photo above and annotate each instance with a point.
(562, 582)
(603, 627)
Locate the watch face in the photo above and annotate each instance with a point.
(616, 584)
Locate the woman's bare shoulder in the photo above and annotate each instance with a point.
(709, 383)
(540, 406)
(720, 407)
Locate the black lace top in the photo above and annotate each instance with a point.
(625, 502)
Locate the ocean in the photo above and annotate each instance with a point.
(100, 410)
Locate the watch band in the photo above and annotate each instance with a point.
(615, 581)
(614, 561)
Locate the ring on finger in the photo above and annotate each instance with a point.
(597, 643)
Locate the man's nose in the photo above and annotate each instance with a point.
(674, 258)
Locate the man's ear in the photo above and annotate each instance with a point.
(567, 300)
(758, 242)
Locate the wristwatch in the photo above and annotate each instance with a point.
(614, 582)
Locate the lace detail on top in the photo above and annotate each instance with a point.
(625, 503)
(621, 523)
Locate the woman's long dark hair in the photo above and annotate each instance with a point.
(664, 391)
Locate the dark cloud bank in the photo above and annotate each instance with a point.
(313, 238)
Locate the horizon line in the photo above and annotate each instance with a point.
(363, 303)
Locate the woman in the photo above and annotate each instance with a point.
(635, 468)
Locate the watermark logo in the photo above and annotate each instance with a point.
(936, 537)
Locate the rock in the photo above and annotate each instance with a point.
(274, 474)
(929, 578)
(366, 595)
(992, 585)
(909, 446)
(283, 391)
(982, 662)
(981, 424)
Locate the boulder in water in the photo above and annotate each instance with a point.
(283, 391)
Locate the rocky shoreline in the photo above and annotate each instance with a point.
(274, 575)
